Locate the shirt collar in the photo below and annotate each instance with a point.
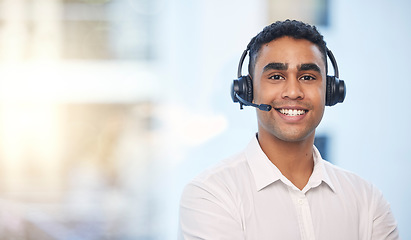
(265, 172)
(262, 169)
(319, 174)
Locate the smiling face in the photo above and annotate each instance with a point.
(290, 75)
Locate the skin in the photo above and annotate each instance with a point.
(290, 74)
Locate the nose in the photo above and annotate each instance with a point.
(293, 90)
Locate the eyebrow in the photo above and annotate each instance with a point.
(284, 66)
(275, 66)
(309, 67)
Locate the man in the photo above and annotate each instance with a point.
(279, 187)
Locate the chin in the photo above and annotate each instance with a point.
(296, 136)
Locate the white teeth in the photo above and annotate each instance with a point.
(291, 112)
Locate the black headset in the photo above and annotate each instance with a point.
(242, 88)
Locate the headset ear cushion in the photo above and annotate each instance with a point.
(241, 87)
(249, 89)
(234, 90)
(329, 91)
(335, 92)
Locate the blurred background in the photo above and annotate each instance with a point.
(109, 107)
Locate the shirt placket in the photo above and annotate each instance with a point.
(303, 214)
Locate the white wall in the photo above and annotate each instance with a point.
(201, 45)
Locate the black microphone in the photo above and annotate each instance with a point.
(262, 107)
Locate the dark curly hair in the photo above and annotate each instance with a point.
(290, 28)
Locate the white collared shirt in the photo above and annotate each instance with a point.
(247, 197)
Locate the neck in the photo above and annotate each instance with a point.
(293, 159)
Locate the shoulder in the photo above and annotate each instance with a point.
(351, 184)
(218, 190)
(220, 182)
(363, 197)
(343, 178)
(210, 203)
(341, 173)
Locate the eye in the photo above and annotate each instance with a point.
(276, 77)
(307, 78)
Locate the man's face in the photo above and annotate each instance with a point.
(290, 75)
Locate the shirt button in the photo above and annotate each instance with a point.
(301, 201)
